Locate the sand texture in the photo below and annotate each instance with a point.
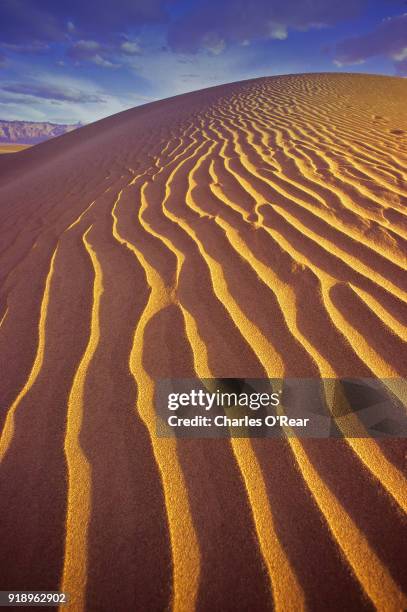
(257, 229)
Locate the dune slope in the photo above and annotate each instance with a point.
(257, 229)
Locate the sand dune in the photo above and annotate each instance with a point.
(257, 229)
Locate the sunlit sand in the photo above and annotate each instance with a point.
(12, 148)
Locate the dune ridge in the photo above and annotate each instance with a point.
(257, 229)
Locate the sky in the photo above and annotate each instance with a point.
(70, 61)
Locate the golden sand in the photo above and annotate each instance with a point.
(12, 148)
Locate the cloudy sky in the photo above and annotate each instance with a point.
(80, 60)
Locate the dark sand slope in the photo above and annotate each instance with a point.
(254, 229)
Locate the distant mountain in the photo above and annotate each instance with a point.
(30, 132)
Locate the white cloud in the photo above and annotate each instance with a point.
(401, 55)
(130, 47)
(213, 43)
(278, 31)
(87, 45)
(356, 62)
(100, 61)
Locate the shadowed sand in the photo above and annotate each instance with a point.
(257, 229)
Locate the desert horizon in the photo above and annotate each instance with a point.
(256, 229)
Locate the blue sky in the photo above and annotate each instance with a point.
(81, 60)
